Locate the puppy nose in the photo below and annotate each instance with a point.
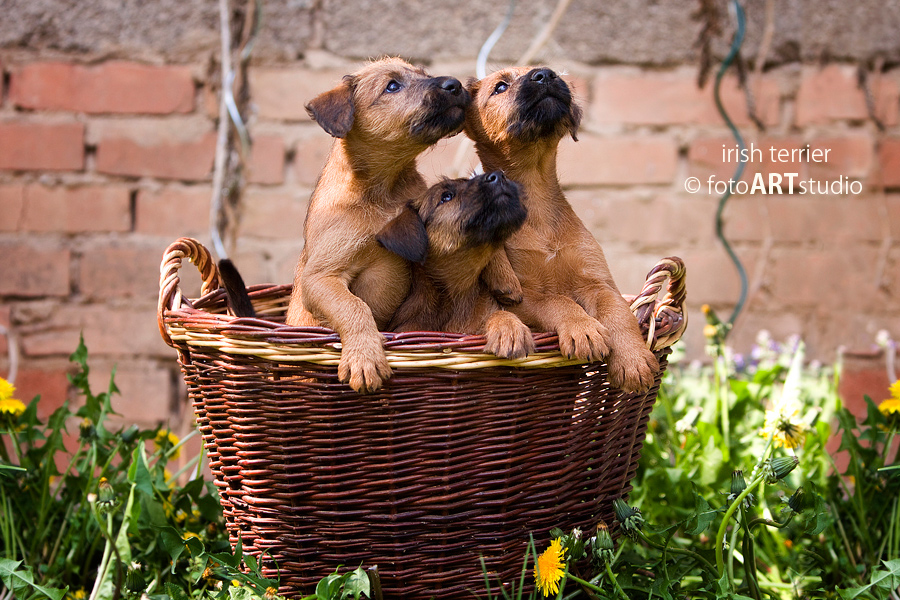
(542, 75)
(452, 85)
(495, 177)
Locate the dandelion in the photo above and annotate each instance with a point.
(891, 407)
(783, 422)
(550, 568)
(8, 404)
(786, 429)
(165, 439)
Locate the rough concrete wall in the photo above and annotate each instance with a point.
(646, 32)
(108, 114)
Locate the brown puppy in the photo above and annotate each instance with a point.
(449, 234)
(517, 118)
(382, 117)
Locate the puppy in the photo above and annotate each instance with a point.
(517, 118)
(449, 234)
(383, 116)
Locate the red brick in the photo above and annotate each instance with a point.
(12, 201)
(826, 219)
(174, 211)
(828, 279)
(166, 157)
(893, 214)
(108, 331)
(829, 94)
(440, 160)
(145, 391)
(849, 156)
(887, 98)
(49, 381)
(273, 214)
(618, 160)
(5, 320)
(117, 271)
(626, 96)
(266, 162)
(30, 270)
(90, 208)
(705, 158)
(310, 155)
(112, 87)
(282, 94)
(643, 221)
(36, 146)
(712, 277)
(889, 158)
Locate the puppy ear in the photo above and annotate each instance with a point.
(575, 121)
(405, 236)
(334, 109)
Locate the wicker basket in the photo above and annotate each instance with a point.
(460, 456)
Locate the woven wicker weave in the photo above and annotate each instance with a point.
(461, 455)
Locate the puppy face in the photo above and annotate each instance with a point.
(455, 215)
(391, 101)
(521, 104)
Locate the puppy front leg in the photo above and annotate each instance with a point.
(581, 336)
(501, 280)
(363, 361)
(632, 367)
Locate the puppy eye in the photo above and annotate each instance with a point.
(392, 87)
(501, 87)
(446, 197)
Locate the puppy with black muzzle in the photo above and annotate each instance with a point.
(449, 234)
(382, 117)
(517, 118)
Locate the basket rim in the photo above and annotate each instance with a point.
(186, 323)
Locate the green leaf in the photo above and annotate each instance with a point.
(356, 584)
(703, 515)
(175, 592)
(329, 587)
(884, 582)
(139, 472)
(21, 581)
(172, 542)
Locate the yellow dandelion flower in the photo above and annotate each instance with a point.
(785, 427)
(550, 568)
(710, 331)
(167, 439)
(189, 534)
(891, 406)
(235, 582)
(8, 404)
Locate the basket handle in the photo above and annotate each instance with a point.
(169, 291)
(662, 320)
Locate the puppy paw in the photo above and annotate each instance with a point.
(507, 336)
(632, 369)
(583, 338)
(364, 365)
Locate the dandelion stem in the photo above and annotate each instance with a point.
(720, 536)
(683, 551)
(588, 584)
(615, 582)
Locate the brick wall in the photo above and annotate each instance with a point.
(104, 163)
